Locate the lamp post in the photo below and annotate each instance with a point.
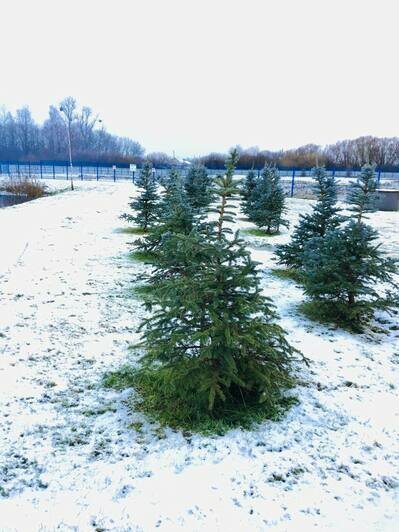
(68, 121)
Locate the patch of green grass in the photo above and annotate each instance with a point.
(132, 231)
(327, 313)
(99, 411)
(119, 380)
(137, 426)
(255, 231)
(143, 256)
(168, 410)
(287, 273)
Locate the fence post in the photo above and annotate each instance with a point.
(29, 168)
(81, 172)
(114, 169)
(18, 169)
(53, 171)
(97, 172)
(292, 182)
(333, 172)
(133, 177)
(67, 172)
(41, 170)
(8, 165)
(378, 178)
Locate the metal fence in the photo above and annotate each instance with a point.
(295, 181)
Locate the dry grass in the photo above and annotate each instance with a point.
(24, 186)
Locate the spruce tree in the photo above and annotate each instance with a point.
(212, 347)
(198, 185)
(246, 191)
(176, 216)
(341, 270)
(146, 205)
(266, 204)
(324, 217)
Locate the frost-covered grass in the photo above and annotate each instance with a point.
(75, 455)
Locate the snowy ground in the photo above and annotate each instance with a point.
(72, 456)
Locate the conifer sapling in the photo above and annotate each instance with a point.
(344, 271)
(266, 203)
(212, 347)
(146, 205)
(324, 217)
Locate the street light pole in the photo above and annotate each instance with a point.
(68, 124)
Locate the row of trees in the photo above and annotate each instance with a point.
(21, 138)
(263, 200)
(214, 355)
(337, 257)
(345, 154)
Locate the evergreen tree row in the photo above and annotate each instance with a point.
(338, 257)
(212, 347)
(264, 200)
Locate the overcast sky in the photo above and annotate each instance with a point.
(202, 75)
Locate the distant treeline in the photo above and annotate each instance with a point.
(344, 154)
(21, 138)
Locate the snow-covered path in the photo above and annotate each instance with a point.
(72, 456)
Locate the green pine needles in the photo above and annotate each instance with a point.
(341, 270)
(146, 205)
(198, 185)
(176, 216)
(214, 356)
(323, 218)
(247, 189)
(266, 203)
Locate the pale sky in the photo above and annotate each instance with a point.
(199, 75)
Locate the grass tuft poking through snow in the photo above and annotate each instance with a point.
(286, 273)
(149, 399)
(255, 231)
(132, 231)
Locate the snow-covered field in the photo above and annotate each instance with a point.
(73, 457)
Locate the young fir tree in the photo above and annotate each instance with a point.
(198, 185)
(212, 346)
(266, 204)
(176, 216)
(170, 180)
(246, 191)
(324, 217)
(341, 270)
(146, 204)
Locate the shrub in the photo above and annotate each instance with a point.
(25, 186)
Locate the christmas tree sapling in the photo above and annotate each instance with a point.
(246, 191)
(146, 205)
(266, 204)
(213, 351)
(346, 274)
(324, 217)
(198, 185)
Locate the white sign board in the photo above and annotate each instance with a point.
(133, 167)
(113, 167)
